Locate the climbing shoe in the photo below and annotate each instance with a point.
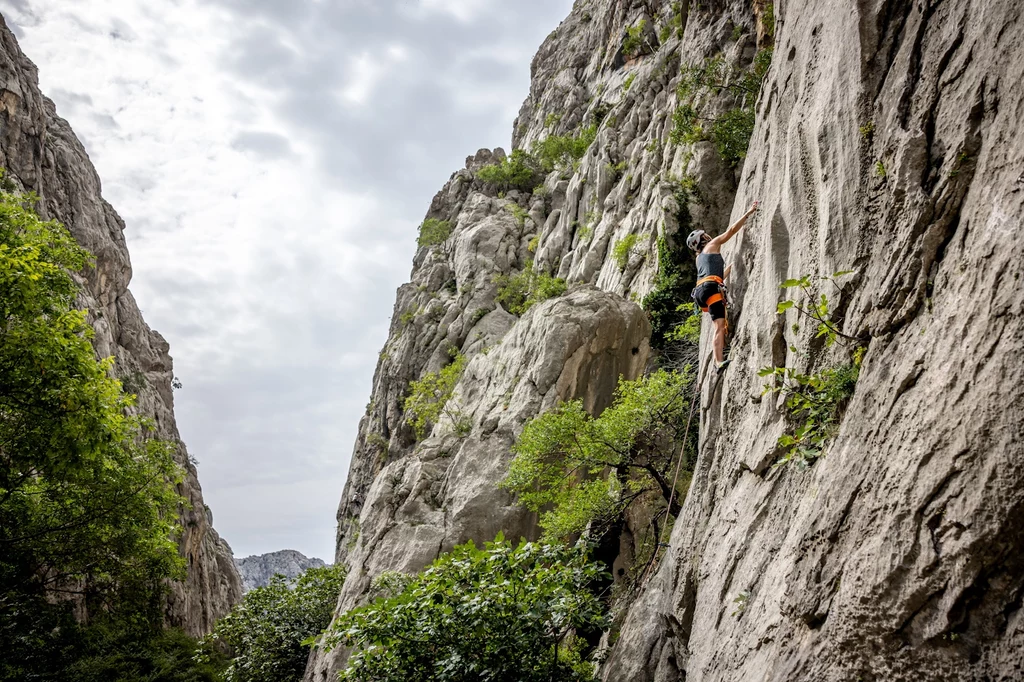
(720, 366)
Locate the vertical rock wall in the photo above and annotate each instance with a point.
(887, 142)
(41, 154)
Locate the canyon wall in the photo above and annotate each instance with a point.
(41, 154)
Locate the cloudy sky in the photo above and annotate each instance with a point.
(272, 159)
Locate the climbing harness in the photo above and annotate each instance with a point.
(715, 297)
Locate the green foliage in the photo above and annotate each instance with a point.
(769, 20)
(816, 307)
(867, 131)
(731, 134)
(623, 249)
(577, 470)
(880, 169)
(730, 131)
(629, 82)
(517, 293)
(533, 244)
(687, 331)
(551, 120)
(584, 234)
(672, 286)
(429, 397)
(556, 152)
(270, 630)
(71, 456)
(814, 401)
(499, 613)
(517, 171)
(434, 232)
(634, 42)
(43, 641)
(519, 213)
(674, 24)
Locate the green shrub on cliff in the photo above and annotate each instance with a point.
(518, 171)
(731, 130)
(556, 152)
(504, 612)
(518, 293)
(433, 232)
(429, 396)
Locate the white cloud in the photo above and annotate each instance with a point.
(272, 161)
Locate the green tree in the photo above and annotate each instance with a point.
(88, 507)
(731, 130)
(579, 470)
(87, 503)
(557, 152)
(503, 613)
(271, 629)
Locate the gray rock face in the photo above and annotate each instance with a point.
(256, 571)
(898, 555)
(42, 154)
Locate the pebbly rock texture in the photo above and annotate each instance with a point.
(887, 141)
(256, 571)
(41, 154)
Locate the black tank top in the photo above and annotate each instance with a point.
(710, 265)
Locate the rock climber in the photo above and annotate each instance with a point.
(711, 276)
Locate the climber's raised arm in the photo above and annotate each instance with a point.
(715, 245)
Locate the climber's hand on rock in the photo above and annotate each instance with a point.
(753, 207)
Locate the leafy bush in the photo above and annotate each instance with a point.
(815, 401)
(271, 629)
(674, 24)
(577, 470)
(499, 613)
(623, 249)
(563, 151)
(814, 308)
(629, 82)
(732, 130)
(428, 398)
(72, 457)
(518, 171)
(517, 293)
(634, 42)
(672, 285)
(434, 232)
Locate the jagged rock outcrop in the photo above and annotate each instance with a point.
(41, 154)
(887, 142)
(257, 570)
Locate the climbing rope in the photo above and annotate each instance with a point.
(679, 464)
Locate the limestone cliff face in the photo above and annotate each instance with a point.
(897, 555)
(257, 571)
(42, 154)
